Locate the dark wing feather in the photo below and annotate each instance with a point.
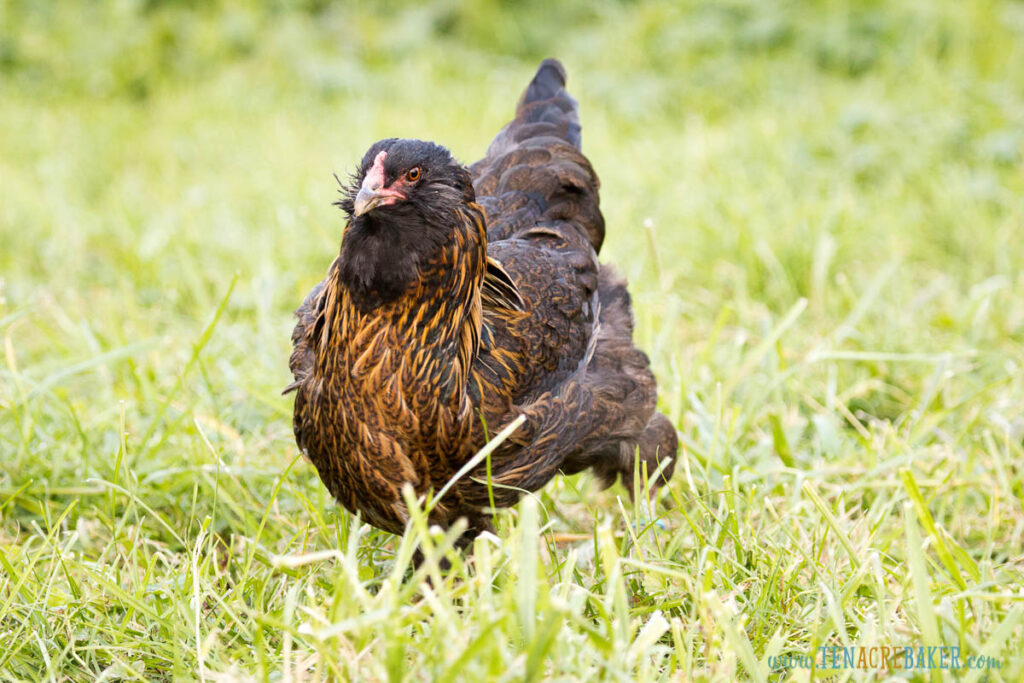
(310, 316)
(569, 364)
(543, 227)
(499, 291)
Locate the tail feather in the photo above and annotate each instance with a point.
(534, 173)
(550, 78)
(546, 101)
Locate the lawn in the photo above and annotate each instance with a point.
(820, 208)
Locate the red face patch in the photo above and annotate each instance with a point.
(372, 193)
(375, 176)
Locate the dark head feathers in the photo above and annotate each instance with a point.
(439, 170)
(383, 246)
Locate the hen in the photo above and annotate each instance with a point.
(463, 298)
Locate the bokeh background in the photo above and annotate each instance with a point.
(819, 205)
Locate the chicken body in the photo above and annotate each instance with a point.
(462, 299)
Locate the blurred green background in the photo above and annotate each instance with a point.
(152, 150)
(773, 150)
(819, 206)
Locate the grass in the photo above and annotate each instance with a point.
(819, 210)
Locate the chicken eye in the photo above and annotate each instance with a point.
(413, 175)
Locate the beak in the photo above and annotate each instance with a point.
(371, 195)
